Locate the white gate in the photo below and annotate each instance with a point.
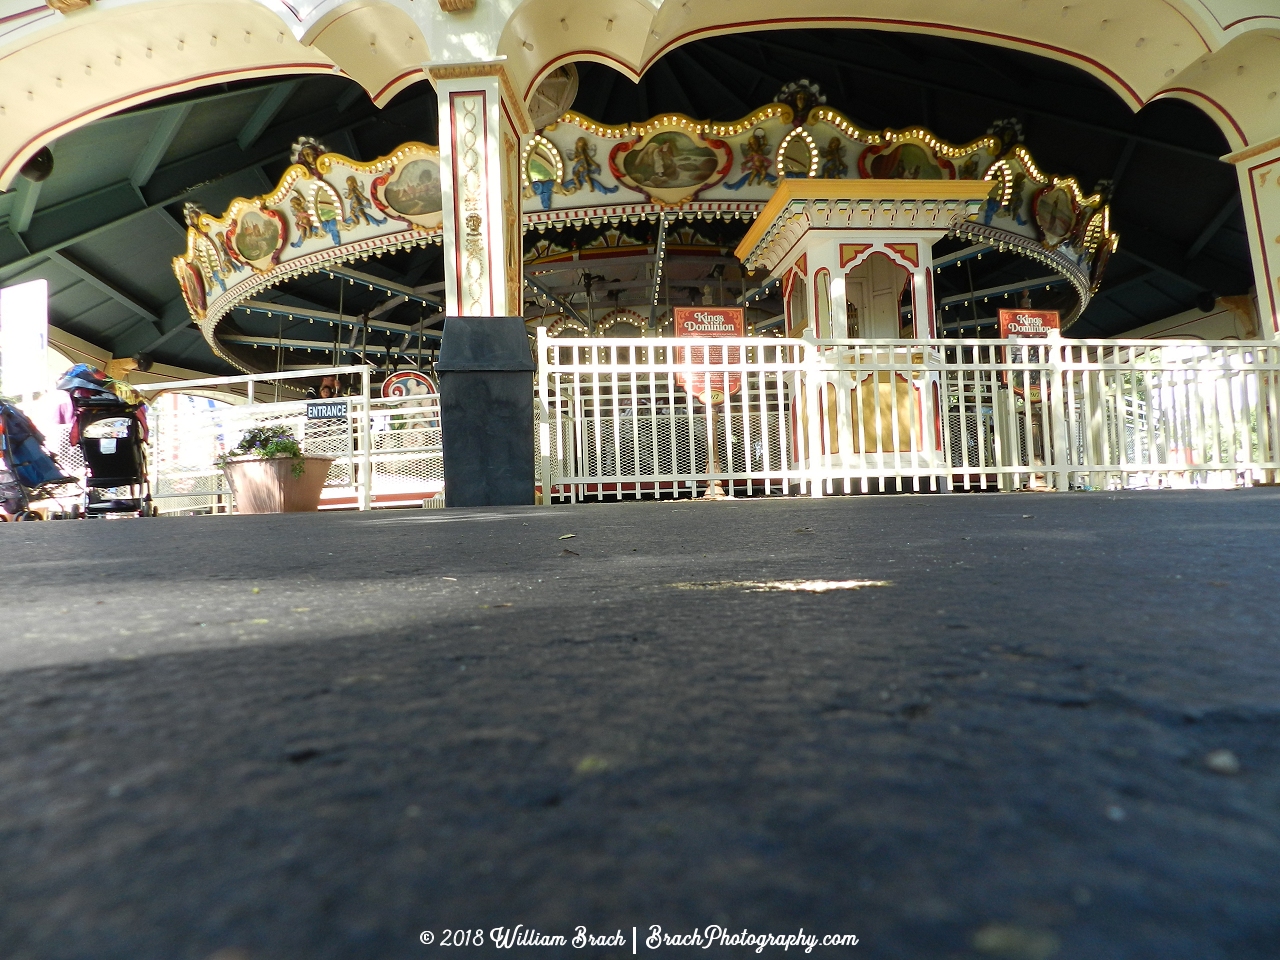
(840, 416)
(614, 420)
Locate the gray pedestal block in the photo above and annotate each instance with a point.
(486, 411)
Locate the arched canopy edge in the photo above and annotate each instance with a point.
(107, 59)
(1096, 67)
(1131, 53)
(1236, 87)
(1228, 124)
(64, 126)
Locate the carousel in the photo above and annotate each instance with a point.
(811, 224)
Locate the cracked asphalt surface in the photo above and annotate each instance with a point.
(316, 736)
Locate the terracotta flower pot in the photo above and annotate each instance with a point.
(269, 486)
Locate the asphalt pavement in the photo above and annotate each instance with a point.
(1011, 726)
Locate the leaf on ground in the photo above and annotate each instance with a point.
(568, 536)
(448, 578)
(1223, 761)
(591, 764)
(1016, 943)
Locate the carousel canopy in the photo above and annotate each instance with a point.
(106, 224)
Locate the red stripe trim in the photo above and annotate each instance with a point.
(24, 13)
(1233, 23)
(457, 209)
(623, 67)
(458, 224)
(1212, 102)
(391, 83)
(1262, 241)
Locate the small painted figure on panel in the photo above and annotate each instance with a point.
(359, 205)
(582, 171)
(833, 164)
(757, 162)
(304, 224)
(584, 166)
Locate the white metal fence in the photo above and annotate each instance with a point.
(856, 415)
(386, 451)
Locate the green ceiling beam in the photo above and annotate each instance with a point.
(349, 98)
(26, 193)
(1217, 223)
(142, 337)
(59, 226)
(385, 286)
(106, 286)
(265, 112)
(158, 145)
(270, 308)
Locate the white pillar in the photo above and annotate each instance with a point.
(923, 314)
(481, 122)
(1259, 174)
(826, 286)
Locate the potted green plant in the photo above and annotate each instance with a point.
(268, 473)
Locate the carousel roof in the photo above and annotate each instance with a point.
(104, 227)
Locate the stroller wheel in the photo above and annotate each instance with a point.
(29, 515)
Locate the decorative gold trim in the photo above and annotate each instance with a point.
(486, 68)
(671, 121)
(1248, 153)
(853, 191)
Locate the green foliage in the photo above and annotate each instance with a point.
(268, 443)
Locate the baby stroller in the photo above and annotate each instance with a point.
(109, 425)
(27, 471)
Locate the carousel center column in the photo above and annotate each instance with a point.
(485, 366)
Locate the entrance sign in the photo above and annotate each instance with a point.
(24, 338)
(1028, 323)
(326, 409)
(705, 322)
